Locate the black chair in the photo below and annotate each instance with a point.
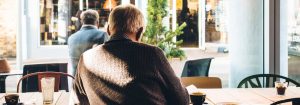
(30, 84)
(295, 101)
(199, 67)
(264, 81)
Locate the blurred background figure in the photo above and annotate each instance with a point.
(78, 23)
(86, 37)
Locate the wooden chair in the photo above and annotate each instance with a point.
(30, 84)
(202, 82)
(40, 75)
(264, 81)
(295, 101)
(198, 67)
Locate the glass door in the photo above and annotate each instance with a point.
(230, 31)
(293, 38)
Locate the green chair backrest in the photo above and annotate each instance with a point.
(264, 81)
(198, 67)
(295, 101)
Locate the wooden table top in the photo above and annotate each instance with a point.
(36, 98)
(248, 96)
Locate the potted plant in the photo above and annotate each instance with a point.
(157, 34)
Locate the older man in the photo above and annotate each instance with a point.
(86, 37)
(124, 71)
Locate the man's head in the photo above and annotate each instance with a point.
(89, 17)
(126, 19)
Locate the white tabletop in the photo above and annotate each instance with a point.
(248, 96)
(36, 98)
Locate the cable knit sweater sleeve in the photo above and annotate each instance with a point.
(78, 85)
(176, 94)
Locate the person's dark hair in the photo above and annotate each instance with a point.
(90, 17)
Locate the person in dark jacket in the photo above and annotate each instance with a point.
(124, 71)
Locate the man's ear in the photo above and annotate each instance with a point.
(139, 34)
(107, 29)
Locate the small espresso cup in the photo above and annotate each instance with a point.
(197, 98)
(11, 99)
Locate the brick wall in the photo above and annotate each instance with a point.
(8, 27)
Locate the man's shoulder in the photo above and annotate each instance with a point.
(76, 34)
(94, 50)
(98, 32)
(92, 32)
(72, 36)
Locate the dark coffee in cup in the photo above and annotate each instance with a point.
(281, 87)
(280, 90)
(197, 98)
(12, 99)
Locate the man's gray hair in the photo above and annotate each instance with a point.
(125, 19)
(89, 17)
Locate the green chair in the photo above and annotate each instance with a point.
(295, 101)
(264, 81)
(198, 67)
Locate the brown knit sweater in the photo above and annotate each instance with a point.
(123, 72)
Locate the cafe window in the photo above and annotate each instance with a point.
(187, 11)
(293, 38)
(8, 33)
(60, 18)
(207, 35)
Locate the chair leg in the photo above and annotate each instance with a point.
(2, 84)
